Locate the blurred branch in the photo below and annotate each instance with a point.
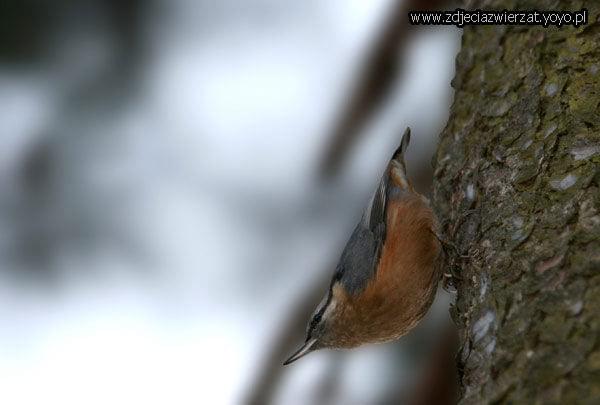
(380, 69)
(292, 333)
(439, 382)
(29, 28)
(376, 79)
(330, 382)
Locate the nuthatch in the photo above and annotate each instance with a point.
(388, 273)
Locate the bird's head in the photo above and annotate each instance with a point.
(320, 332)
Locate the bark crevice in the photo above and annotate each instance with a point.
(517, 185)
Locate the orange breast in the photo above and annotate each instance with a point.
(406, 278)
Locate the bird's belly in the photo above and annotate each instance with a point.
(406, 279)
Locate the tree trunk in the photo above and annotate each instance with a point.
(517, 182)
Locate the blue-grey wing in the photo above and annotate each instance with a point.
(359, 259)
(358, 263)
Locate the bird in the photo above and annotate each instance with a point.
(388, 273)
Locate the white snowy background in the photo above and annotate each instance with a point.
(180, 224)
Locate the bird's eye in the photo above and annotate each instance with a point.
(315, 321)
(317, 318)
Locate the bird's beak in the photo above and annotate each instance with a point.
(303, 351)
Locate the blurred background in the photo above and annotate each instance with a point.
(177, 182)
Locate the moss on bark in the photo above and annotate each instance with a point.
(517, 182)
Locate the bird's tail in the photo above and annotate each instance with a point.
(397, 166)
(399, 153)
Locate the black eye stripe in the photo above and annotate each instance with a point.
(319, 315)
(316, 319)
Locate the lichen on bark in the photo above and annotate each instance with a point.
(517, 186)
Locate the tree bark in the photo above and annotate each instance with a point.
(517, 176)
